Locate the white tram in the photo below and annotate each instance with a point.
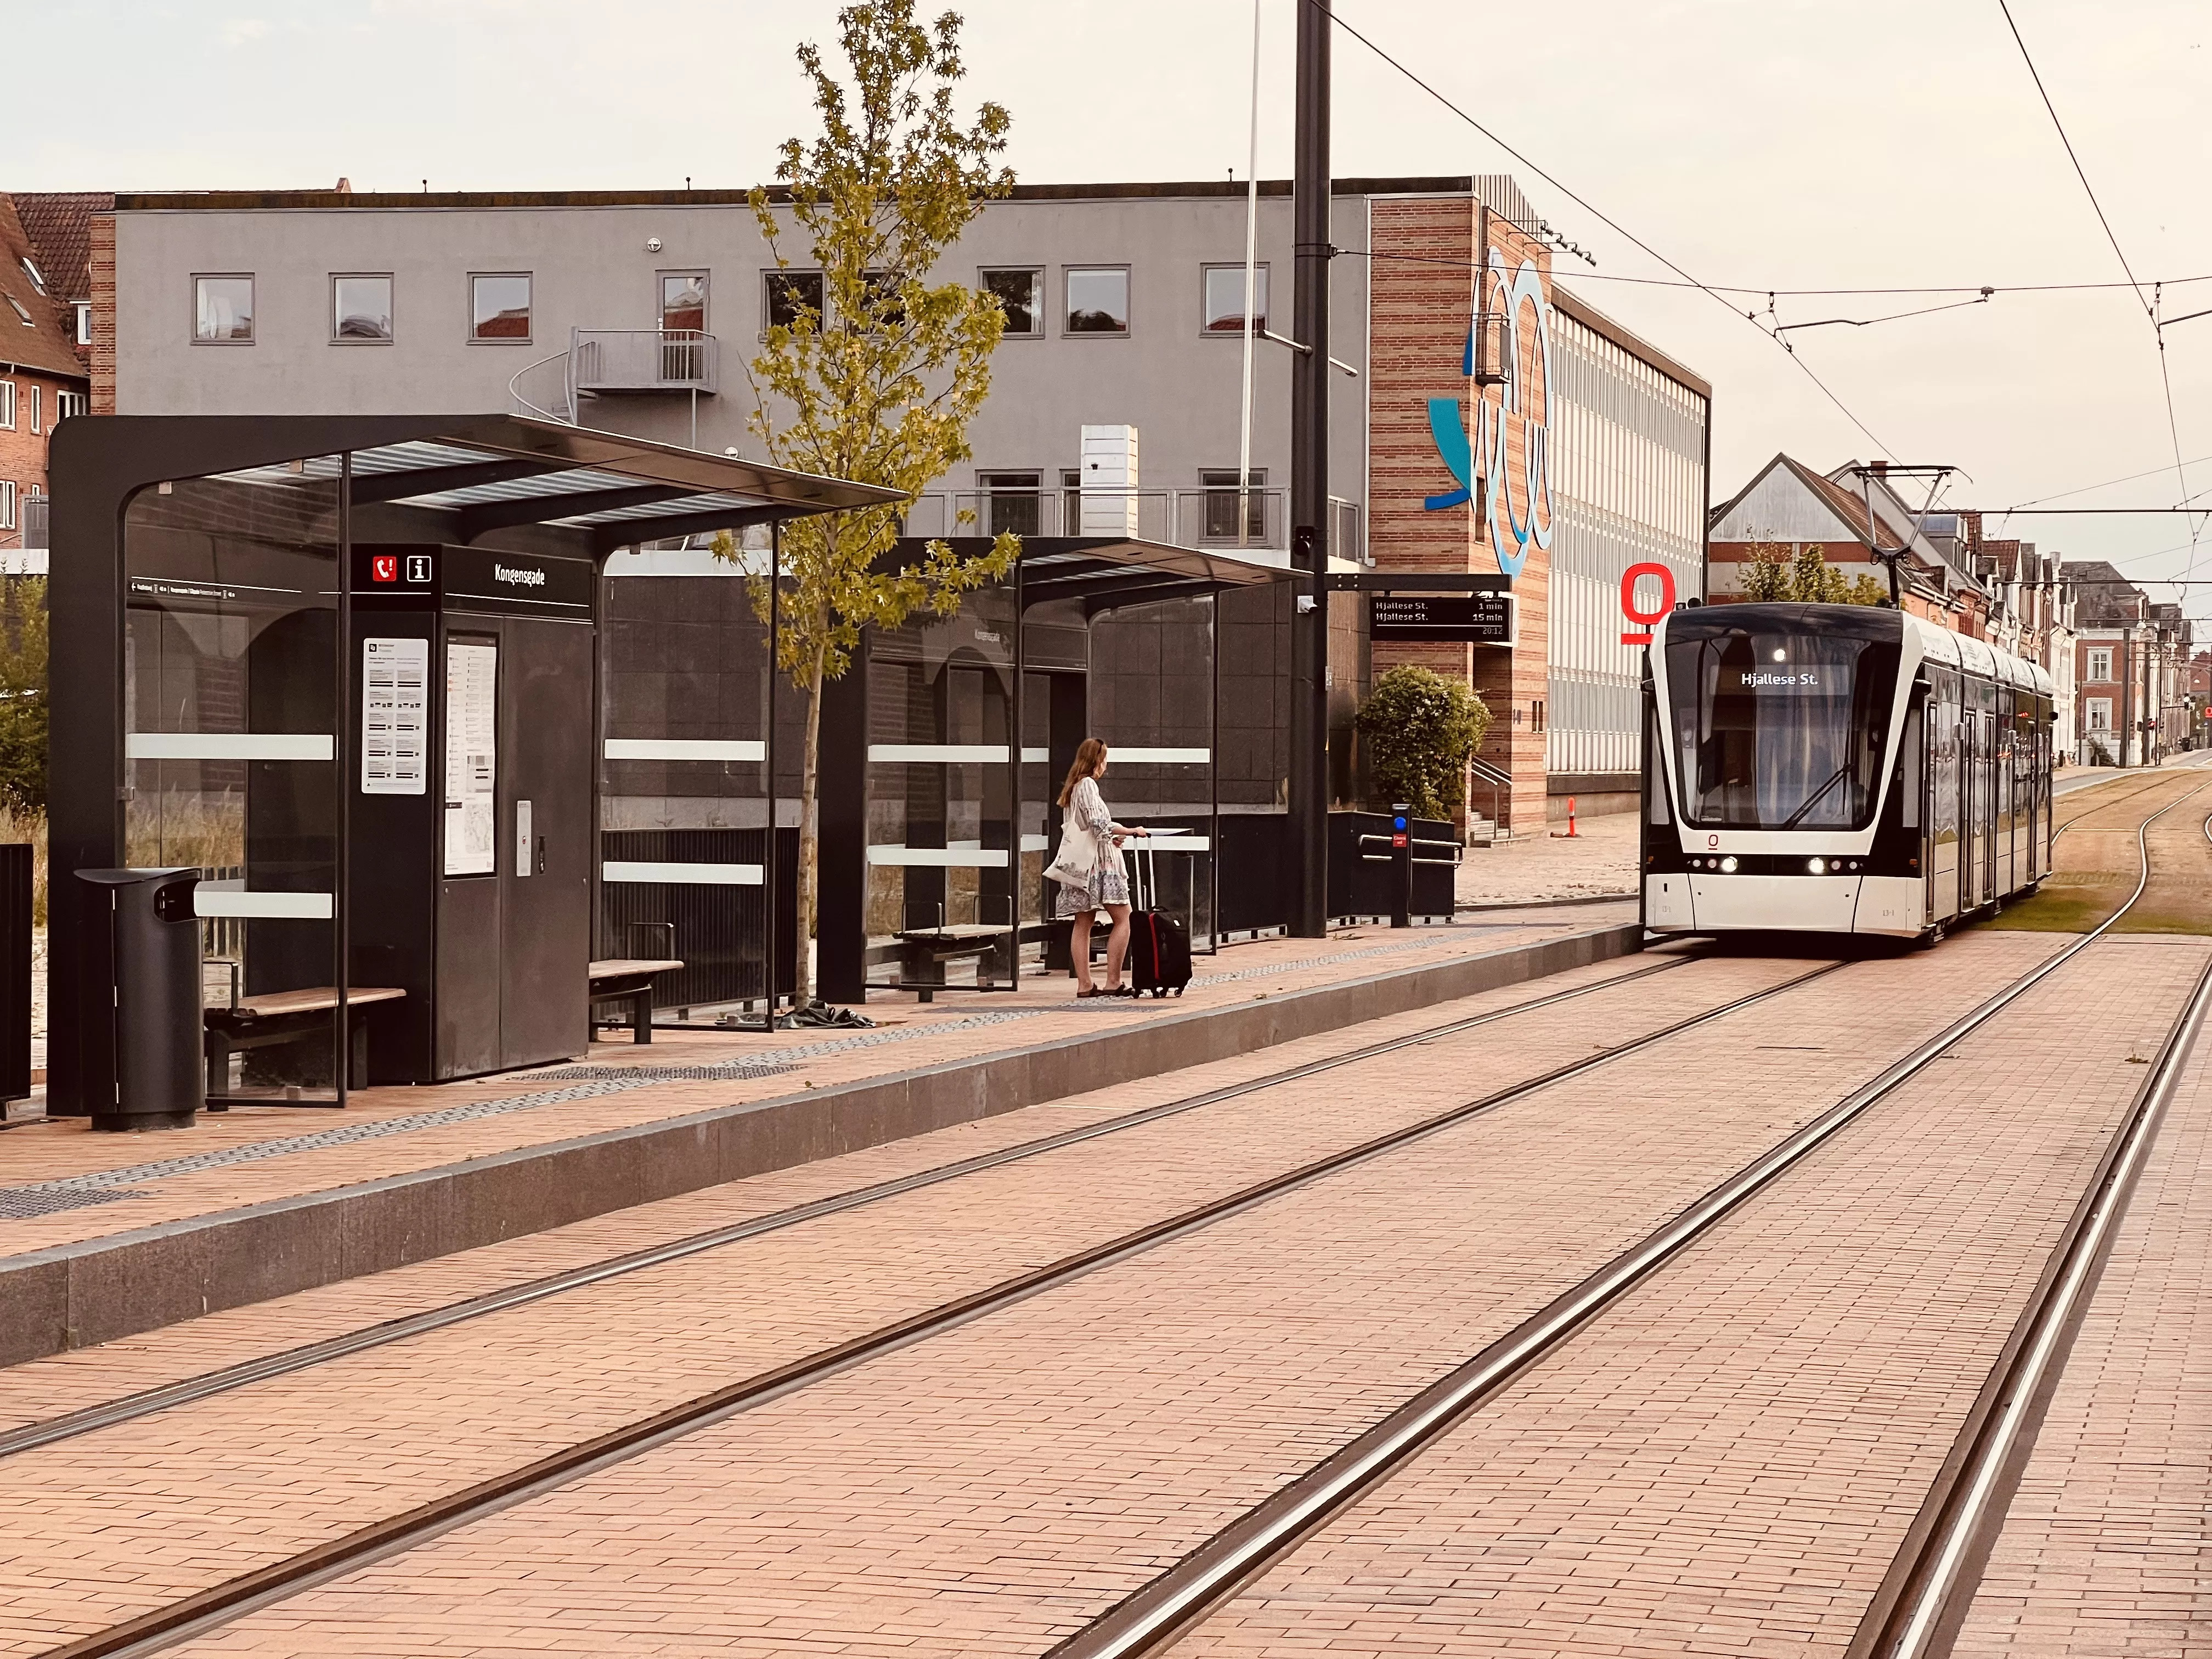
(1838, 769)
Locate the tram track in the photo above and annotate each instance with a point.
(147, 1403)
(222, 1604)
(1923, 1592)
(231, 1599)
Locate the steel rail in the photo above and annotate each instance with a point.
(1926, 1592)
(220, 1604)
(168, 1396)
(1155, 1614)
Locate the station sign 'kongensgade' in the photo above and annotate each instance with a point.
(1446, 618)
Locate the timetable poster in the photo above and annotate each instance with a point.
(471, 757)
(395, 717)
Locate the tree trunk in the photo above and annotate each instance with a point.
(810, 834)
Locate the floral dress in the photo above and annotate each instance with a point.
(1109, 883)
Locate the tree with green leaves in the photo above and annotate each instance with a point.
(23, 696)
(1420, 729)
(1771, 572)
(880, 383)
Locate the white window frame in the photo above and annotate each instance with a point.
(83, 309)
(2100, 666)
(67, 403)
(1067, 275)
(252, 320)
(7, 504)
(7, 406)
(392, 292)
(475, 338)
(1038, 285)
(38, 409)
(2097, 713)
(1265, 297)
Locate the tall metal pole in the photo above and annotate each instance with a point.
(768, 751)
(1251, 292)
(1310, 205)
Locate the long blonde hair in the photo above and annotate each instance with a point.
(1088, 755)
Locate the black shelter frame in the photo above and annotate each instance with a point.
(1096, 573)
(501, 484)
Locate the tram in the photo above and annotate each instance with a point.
(1838, 769)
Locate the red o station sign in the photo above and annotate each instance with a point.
(1638, 617)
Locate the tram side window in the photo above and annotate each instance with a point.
(1910, 757)
(1946, 712)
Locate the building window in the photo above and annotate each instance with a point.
(67, 403)
(1098, 300)
(360, 309)
(83, 309)
(1223, 300)
(1221, 493)
(1020, 294)
(7, 505)
(683, 301)
(32, 271)
(16, 306)
(7, 406)
(38, 409)
(2099, 712)
(499, 306)
(790, 294)
(1070, 501)
(222, 310)
(1010, 502)
(2100, 666)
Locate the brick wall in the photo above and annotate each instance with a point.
(23, 451)
(102, 268)
(1422, 302)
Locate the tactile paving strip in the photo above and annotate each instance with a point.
(25, 1203)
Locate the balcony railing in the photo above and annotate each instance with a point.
(628, 359)
(1205, 518)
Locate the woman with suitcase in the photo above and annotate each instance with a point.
(1090, 874)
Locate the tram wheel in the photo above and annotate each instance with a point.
(1930, 939)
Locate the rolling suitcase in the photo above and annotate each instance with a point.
(1159, 944)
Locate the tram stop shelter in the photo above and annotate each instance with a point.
(362, 677)
(346, 668)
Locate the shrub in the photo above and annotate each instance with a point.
(1419, 730)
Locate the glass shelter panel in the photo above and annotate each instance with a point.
(231, 688)
(684, 798)
(952, 896)
(1151, 700)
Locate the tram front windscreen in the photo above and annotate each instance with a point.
(1780, 714)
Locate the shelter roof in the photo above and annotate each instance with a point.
(502, 471)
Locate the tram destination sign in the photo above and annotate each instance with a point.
(1449, 618)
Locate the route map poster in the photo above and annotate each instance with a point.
(471, 757)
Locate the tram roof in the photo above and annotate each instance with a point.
(1974, 656)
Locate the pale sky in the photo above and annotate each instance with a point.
(1778, 144)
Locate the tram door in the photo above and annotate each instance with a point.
(2002, 849)
(1974, 794)
(1946, 773)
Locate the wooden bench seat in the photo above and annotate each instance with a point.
(271, 1017)
(629, 980)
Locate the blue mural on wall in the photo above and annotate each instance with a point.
(1517, 500)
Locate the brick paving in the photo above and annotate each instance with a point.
(984, 1492)
(87, 1377)
(1726, 1464)
(62, 1149)
(2106, 1550)
(157, 1508)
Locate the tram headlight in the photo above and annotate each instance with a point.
(1728, 866)
(1817, 867)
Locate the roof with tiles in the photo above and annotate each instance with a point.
(32, 333)
(59, 226)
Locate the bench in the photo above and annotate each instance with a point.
(923, 953)
(282, 1017)
(626, 979)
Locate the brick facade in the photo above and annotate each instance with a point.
(1427, 249)
(101, 266)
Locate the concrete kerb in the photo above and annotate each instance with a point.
(97, 1290)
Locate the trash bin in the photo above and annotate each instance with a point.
(156, 950)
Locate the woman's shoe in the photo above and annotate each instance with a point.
(1091, 991)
